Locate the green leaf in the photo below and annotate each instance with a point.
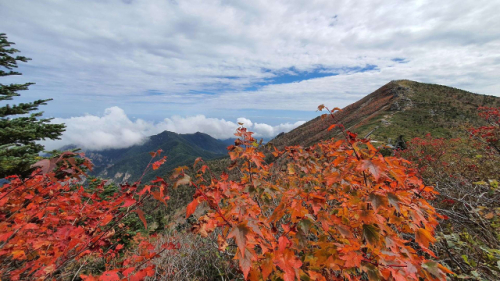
(493, 184)
(305, 225)
(371, 233)
(432, 268)
(372, 271)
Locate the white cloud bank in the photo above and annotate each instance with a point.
(114, 129)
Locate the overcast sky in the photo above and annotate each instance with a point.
(203, 64)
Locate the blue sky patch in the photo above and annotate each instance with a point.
(201, 92)
(154, 93)
(400, 60)
(366, 68)
(292, 75)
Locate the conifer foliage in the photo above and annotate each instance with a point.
(18, 134)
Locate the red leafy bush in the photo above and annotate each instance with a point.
(48, 221)
(334, 211)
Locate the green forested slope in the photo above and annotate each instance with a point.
(128, 164)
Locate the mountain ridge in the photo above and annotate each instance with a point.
(127, 164)
(400, 107)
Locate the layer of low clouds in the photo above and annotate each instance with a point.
(217, 54)
(114, 129)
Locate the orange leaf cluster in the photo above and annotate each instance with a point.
(337, 210)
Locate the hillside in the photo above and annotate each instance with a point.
(127, 164)
(400, 107)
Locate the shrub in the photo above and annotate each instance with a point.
(48, 222)
(465, 173)
(333, 211)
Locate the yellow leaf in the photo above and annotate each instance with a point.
(18, 254)
(423, 237)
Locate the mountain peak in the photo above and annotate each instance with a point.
(400, 107)
(127, 164)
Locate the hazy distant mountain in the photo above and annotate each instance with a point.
(128, 164)
(400, 107)
(229, 142)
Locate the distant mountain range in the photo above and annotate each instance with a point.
(128, 164)
(402, 107)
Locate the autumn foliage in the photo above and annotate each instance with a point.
(49, 221)
(491, 132)
(465, 171)
(337, 210)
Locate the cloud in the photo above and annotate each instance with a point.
(114, 129)
(245, 122)
(220, 55)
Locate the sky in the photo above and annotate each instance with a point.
(119, 71)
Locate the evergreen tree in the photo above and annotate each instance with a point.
(19, 128)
